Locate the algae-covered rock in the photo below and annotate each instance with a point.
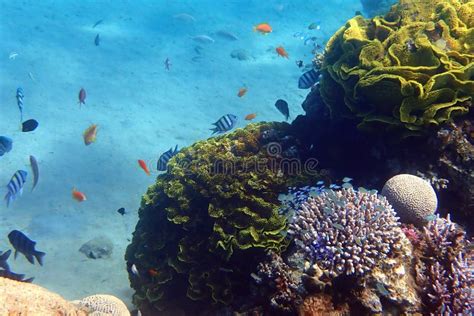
(206, 223)
(406, 71)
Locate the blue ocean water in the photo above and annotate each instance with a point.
(141, 109)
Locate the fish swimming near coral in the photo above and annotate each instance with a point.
(143, 165)
(35, 169)
(90, 134)
(78, 196)
(308, 79)
(263, 28)
(21, 243)
(242, 92)
(29, 125)
(14, 276)
(121, 211)
(165, 157)
(224, 124)
(97, 40)
(15, 186)
(6, 144)
(282, 106)
(19, 101)
(203, 39)
(314, 26)
(250, 116)
(282, 52)
(82, 97)
(4, 258)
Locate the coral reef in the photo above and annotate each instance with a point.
(442, 270)
(206, 224)
(403, 72)
(102, 304)
(346, 231)
(413, 198)
(21, 298)
(280, 285)
(375, 7)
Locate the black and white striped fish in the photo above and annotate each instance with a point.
(19, 100)
(224, 124)
(15, 186)
(308, 79)
(165, 157)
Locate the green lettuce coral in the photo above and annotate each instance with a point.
(206, 223)
(408, 70)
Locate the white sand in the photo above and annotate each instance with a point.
(141, 109)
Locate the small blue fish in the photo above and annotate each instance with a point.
(308, 79)
(6, 145)
(19, 100)
(15, 186)
(97, 40)
(26, 246)
(224, 124)
(347, 179)
(165, 157)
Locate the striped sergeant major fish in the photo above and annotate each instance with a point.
(19, 101)
(26, 246)
(165, 157)
(308, 79)
(224, 124)
(15, 276)
(15, 186)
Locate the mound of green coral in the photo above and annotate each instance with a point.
(206, 223)
(406, 71)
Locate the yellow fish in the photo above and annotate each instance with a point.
(90, 134)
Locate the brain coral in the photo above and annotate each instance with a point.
(346, 231)
(413, 198)
(205, 224)
(406, 71)
(103, 304)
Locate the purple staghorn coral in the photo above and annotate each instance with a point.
(443, 271)
(346, 231)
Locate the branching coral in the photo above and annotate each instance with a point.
(406, 71)
(346, 231)
(443, 272)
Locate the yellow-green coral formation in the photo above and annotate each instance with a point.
(204, 224)
(408, 70)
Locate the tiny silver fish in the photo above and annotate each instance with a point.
(135, 270)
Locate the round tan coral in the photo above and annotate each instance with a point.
(104, 305)
(412, 198)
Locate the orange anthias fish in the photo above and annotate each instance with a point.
(153, 272)
(281, 52)
(250, 116)
(144, 166)
(78, 196)
(242, 92)
(263, 28)
(90, 134)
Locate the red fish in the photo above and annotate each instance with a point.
(82, 97)
(281, 52)
(250, 116)
(242, 92)
(78, 196)
(144, 166)
(153, 272)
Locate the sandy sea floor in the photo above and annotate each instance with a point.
(141, 110)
